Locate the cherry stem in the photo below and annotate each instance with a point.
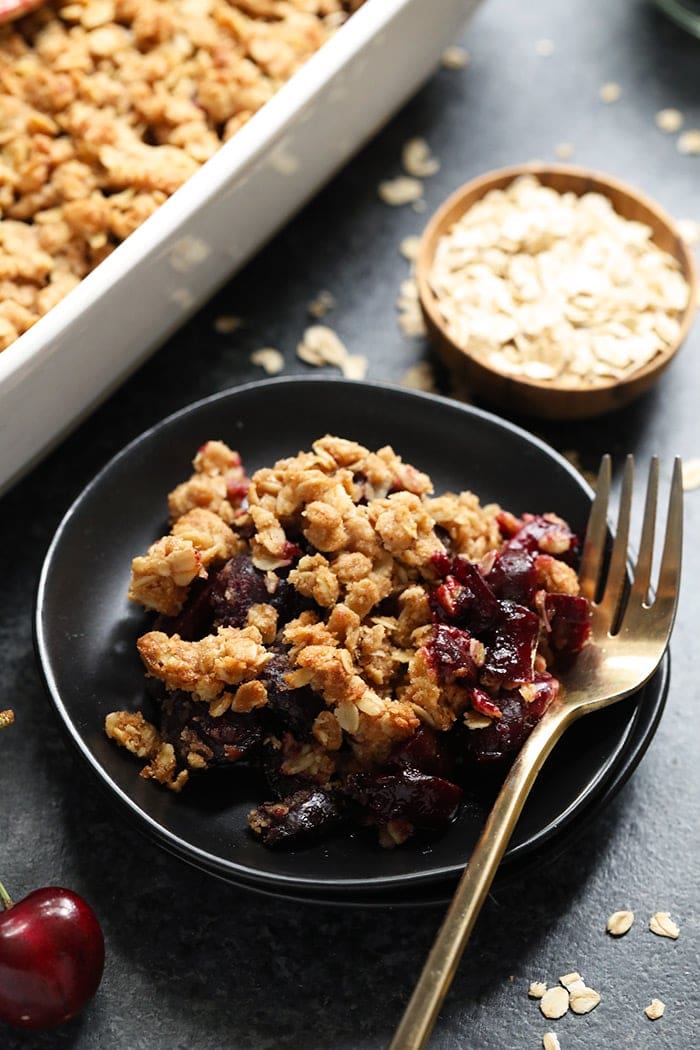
(5, 898)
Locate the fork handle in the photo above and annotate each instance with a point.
(440, 967)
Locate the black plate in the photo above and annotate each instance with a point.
(86, 629)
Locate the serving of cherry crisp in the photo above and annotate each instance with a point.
(370, 648)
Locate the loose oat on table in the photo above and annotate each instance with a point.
(404, 189)
(572, 981)
(418, 160)
(537, 989)
(108, 106)
(655, 1009)
(554, 1003)
(564, 150)
(321, 305)
(552, 286)
(409, 247)
(689, 230)
(663, 925)
(583, 1000)
(669, 120)
(691, 474)
(544, 47)
(354, 366)
(689, 142)
(455, 57)
(269, 359)
(420, 376)
(610, 92)
(320, 345)
(411, 320)
(6, 718)
(619, 923)
(227, 323)
(550, 1041)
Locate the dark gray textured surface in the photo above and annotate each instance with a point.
(195, 963)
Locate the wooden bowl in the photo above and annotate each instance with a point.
(547, 399)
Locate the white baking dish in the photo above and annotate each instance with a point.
(59, 370)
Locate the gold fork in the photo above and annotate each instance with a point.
(630, 633)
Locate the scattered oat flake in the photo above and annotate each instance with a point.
(420, 377)
(564, 150)
(409, 247)
(554, 1003)
(550, 1041)
(689, 230)
(227, 323)
(610, 92)
(663, 925)
(269, 359)
(6, 718)
(655, 1009)
(402, 190)
(412, 324)
(419, 206)
(544, 47)
(322, 304)
(583, 1000)
(619, 923)
(572, 980)
(418, 160)
(689, 142)
(354, 366)
(455, 57)
(321, 346)
(475, 720)
(691, 474)
(669, 120)
(537, 989)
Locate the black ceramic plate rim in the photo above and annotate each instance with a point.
(201, 858)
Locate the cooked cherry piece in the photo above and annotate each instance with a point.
(298, 820)
(292, 709)
(536, 533)
(513, 576)
(196, 617)
(51, 957)
(569, 620)
(449, 650)
(511, 652)
(465, 596)
(507, 734)
(425, 801)
(426, 752)
(188, 726)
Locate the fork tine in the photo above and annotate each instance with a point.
(596, 533)
(669, 572)
(617, 569)
(642, 576)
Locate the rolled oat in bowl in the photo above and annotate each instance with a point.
(556, 287)
(369, 646)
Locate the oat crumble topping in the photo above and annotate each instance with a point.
(108, 106)
(331, 619)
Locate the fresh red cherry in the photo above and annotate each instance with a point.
(52, 955)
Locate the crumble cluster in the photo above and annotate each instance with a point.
(356, 537)
(108, 106)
